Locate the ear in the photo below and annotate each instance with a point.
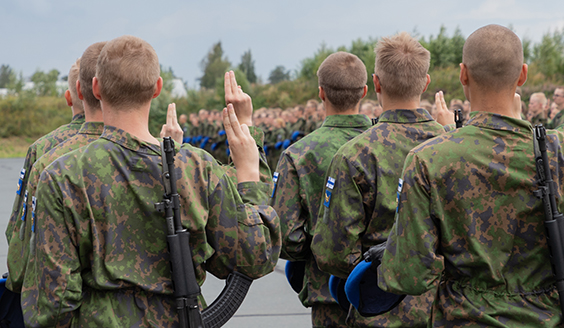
(463, 74)
(321, 94)
(428, 82)
(80, 96)
(96, 88)
(377, 86)
(523, 75)
(68, 98)
(159, 87)
(365, 91)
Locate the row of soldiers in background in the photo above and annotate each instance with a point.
(284, 127)
(281, 127)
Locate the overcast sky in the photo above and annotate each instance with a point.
(47, 34)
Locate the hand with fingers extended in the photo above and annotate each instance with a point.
(444, 115)
(244, 151)
(172, 128)
(241, 101)
(516, 106)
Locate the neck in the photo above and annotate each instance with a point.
(76, 111)
(390, 103)
(330, 110)
(134, 121)
(493, 102)
(93, 114)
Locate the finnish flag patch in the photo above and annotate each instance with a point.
(20, 181)
(328, 190)
(275, 180)
(400, 187)
(33, 202)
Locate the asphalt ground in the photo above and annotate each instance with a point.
(270, 301)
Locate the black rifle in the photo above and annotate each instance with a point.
(186, 288)
(554, 220)
(458, 117)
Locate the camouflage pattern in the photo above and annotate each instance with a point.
(358, 210)
(539, 119)
(468, 222)
(557, 121)
(36, 150)
(18, 248)
(298, 193)
(327, 316)
(101, 256)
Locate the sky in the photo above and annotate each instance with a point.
(48, 34)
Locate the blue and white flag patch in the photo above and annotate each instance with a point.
(400, 187)
(33, 202)
(24, 207)
(328, 190)
(20, 181)
(275, 180)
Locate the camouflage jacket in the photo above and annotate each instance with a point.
(36, 150)
(468, 222)
(101, 256)
(18, 248)
(297, 195)
(557, 121)
(360, 203)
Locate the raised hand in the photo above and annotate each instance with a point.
(241, 101)
(172, 128)
(444, 115)
(244, 151)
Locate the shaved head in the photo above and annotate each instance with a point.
(493, 56)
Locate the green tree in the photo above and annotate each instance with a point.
(278, 75)
(45, 84)
(214, 66)
(247, 66)
(6, 72)
(548, 55)
(445, 51)
(309, 66)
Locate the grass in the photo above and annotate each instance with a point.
(14, 146)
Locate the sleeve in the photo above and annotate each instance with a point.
(410, 264)
(15, 215)
(287, 200)
(52, 290)
(243, 229)
(337, 244)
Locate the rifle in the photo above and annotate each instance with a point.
(458, 117)
(186, 288)
(554, 220)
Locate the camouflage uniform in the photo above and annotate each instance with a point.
(359, 207)
(539, 119)
(557, 121)
(36, 150)
(101, 256)
(20, 231)
(469, 223)
(296, 199)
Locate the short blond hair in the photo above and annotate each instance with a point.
(342, 76)
(127, 71)
(493, 55)
(540, 97)
(71, 80)
(87, 73)
(401, 66)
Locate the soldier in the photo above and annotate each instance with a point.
(359, 198)
(101, 257)
(43, 145)
(81, 77)
(558, 98)
(300, 173)
(538, 107)
(468, 222)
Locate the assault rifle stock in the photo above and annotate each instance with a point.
(554, 220)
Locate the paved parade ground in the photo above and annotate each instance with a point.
(270, 302)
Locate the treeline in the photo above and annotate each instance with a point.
(284, 88)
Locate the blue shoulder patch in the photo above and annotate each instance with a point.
(275, 180)
(20, 181)
(328, 190)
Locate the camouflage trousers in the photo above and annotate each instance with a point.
(328, 315)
